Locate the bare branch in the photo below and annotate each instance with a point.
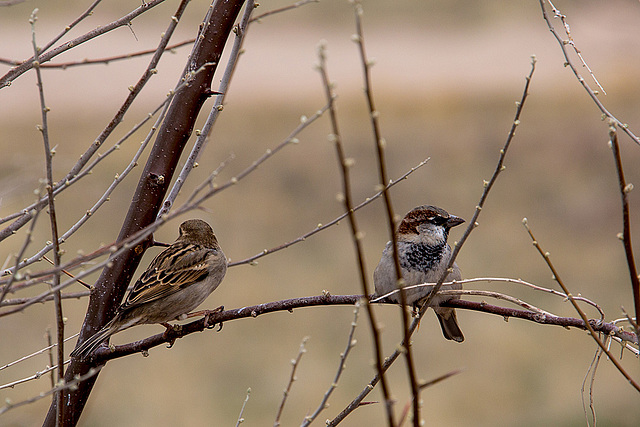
(70, 385)
(203, 136)
(48, 156)
(592, 94)
(380, 298)
(487, 185)
(345, 164)
(106, 61)
(321, 227)
(284, 9)
(625, 189)
(380, 143)
(294, 366)
(244, 404)
(22, 359)
(151, 189)
(351, 342)
(124, 21)
(115, 121)
(103, 354)
(547, 259)
(472, 224)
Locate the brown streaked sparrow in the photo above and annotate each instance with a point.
(424, 254)
(178, 280)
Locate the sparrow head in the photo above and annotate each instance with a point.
(427, 222)
(198, 232)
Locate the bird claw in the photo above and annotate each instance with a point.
(167, 334)
(214, 325)
(207, 318)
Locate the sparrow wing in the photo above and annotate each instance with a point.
(176, 268)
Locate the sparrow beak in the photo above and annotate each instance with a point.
(453, 221)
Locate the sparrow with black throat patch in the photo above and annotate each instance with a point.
(177, 281)
(424, 254)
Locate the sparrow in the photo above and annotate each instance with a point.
(178, 280)
(423, 253)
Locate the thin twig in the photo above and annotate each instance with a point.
(244, 404)
(351, 342)
(203, 136)
(592, 94)
(487, 185)
(629, 319)
(379, 143)
(294, 366)
(199, 195)
(193, 202)
(82, 282)
(67, 386)
(472, 224)
(50, 354)
(625, 189)
(37, 277)
(123, 21)
(592, 333)
(88, 169)
(48, 156)
(424, 385)
(117, 180)
(106, 61)
(15, 273)
(29, 356)
(490, 280)
(284, 9)
(593, 367)
(572, 43)
(113, 250)
(38, 375)
(439, 379)
(321, 227)
(134, 91)
(345, 165)
(66, 295)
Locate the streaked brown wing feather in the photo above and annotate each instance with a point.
(176, 268)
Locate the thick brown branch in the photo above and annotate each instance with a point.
(152, 188)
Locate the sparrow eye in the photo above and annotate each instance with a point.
(438, 220)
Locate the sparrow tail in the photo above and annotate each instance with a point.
(89, 345)
(450, 328)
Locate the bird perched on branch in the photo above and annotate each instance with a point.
(177, 281)
(424, 254)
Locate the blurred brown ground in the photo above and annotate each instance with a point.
(446, 77)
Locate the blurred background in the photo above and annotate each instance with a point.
(446, 78)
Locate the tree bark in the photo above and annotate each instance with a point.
(151, 190)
